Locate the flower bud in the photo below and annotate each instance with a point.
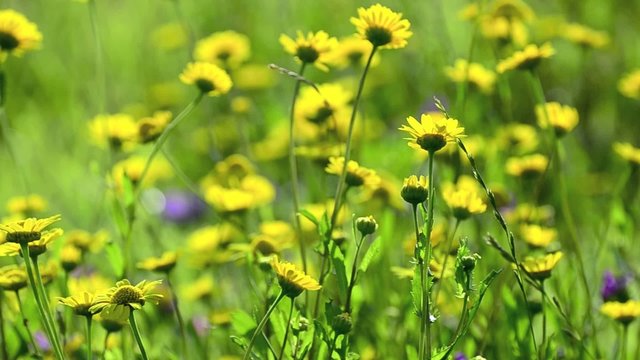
(367, 225)
(415, 190)
(342, 323)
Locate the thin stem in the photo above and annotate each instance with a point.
(89, 349)
(419, 258)
(136, 334)
(544, 321)
(286, 333)
(106, 343)
(45, 298)
(25, 322)
(39, 302)
(293, 169)
(354, 274)
(623, 348)
(333, 345)
(263, 322)
(426, 319)
(183, 333)
(446, 257)
(186, 26)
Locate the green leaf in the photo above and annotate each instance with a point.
(324, 226)
(115, 258)
(128, 192)
(309, 216)
(416, 292)
(372, 253)
(118, 216)
(337, 259)
(242, 322)
(323, 333)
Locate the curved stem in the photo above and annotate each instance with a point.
(104, 346)
(89, 349)
(263, 322)
(25, 322)
(136, 334)
(293, 169)
(286, 333)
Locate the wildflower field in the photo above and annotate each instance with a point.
(191, 179)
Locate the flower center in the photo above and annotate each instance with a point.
(431, 142)
(23, 237)
(8, 42)
(322, 115)
(205, 85)
(307, 54)
(378, 36)
(126, 295)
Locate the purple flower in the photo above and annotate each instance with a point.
(181, 206)
(614, 288)
(42, 342)
(201, 325)
(459, 356)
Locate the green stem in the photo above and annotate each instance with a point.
(39, 302)
(3, 337)
(420, 259)
(89, 349)
(354, 273)
(187, 28)
(332, 345)
(136, 334)
(446, 258)
(263, 322)
(286, 333)
(25, 322)
(104, 346)
(623, 347)
(45, 298)
(293, 169)
(183, 332)
(543, 344)
(426, 288)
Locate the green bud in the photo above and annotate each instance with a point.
(367, 225)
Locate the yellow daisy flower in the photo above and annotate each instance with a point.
(518, 138)
(164, 263)
(80, 303)
(318, 108)
(117, 302)
(169, 36)
(70, 257)
(17, 34)
(584, 36)
(415, 190)
(539, 268)
(356, 174)
(463, 199)
(150, 128)
(118, 130)
(563, 118)
(527, 58)
(315, 48)
(210, 244)
(292, 280)
(132, 167)
(538, 236)
(527, 166)
(36, 247)
(432, 133)
(623, 312)
(627, 152)
(225, 48)
(382, 27)
(28, 230)
(484, 79)
(26, 205)
(85, 241)
(207, 77)
(353, 51)
(629, 85)
(13, 278)
(225, 200)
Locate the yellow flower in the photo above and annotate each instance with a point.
(623, 312)
(26, 205)
(311, 49)
(629, 85)
(527, 166)
(225, 48)
(529, 213)
(382, 27)
(36, 247)
(117, 302)
(318, 210)
(356, 174)
(150, 128)
(383, 195)
(402, 272)
(70, 257)
(511, 10)
(241, 104)
(119, 130)
(210, 244)
(432, 133)
(538, 236)
(17, 34)
(208, 78)
(584, 36)
(463, 198)
(94, 284)
(28, 230)
(518, 138)
(318, 108)
(539, 268)
(13, 278)
(353, 51)
(475, 73)
(86, 241)
(198, 289)
(164, 263)
(526, 59)
(260, 188)
(292, 280)
(415, 189)
(563, 118)
(627, 152)
(169, 36)
(81, 303)
(132, 167)
(506, 21)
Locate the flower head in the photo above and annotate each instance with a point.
(314, 48)
(382, 27)
(562, 118)
(540, 268)
(356, 174)
(13, 277)
(432, 133)
(415, 190)
(36, 247)
(118, 301)
(463, 198)
(627, 152)
(207, 77)
(527, 58)
(538, 236)
(292, 280)
(476, 74)
(318, 107)
(614, 288)
(585, 36)
(624, 312)
(28, 230)
(150, 128)
(164, 263)
(80, 303)
(527, 166)
(17, 34)
(26, 205)
(119, 131)
(629, 85)
(225, 48)
(353, 51)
